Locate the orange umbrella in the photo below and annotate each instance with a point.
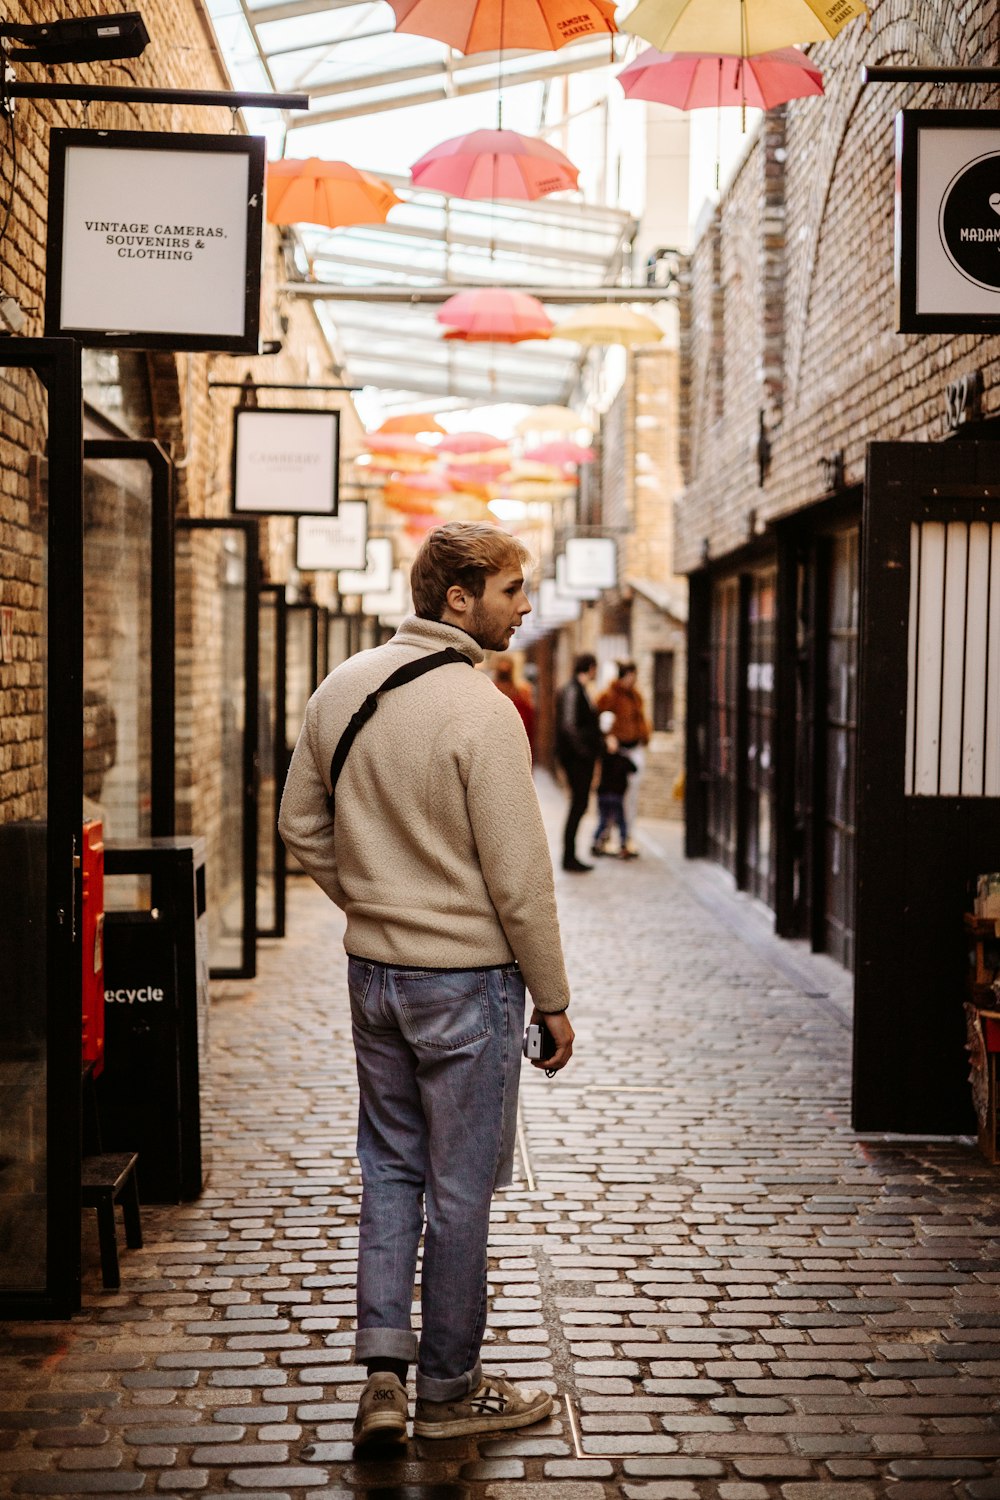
(330, 193)
(397, 442)
(411, 423)
(495, 25)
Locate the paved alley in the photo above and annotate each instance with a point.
(732, 1295)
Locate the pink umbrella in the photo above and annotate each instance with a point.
(470, 442)
(495, 315)
(561, 453)
(494, 164)
(476, 473)
(711, 80)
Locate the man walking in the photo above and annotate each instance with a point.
(437, 855)
(578, 744)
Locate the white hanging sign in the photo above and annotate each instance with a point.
(553, 607)
(329, 543)
(376, 576)
(591, 562)
(564, 590)
(286, 462)
(154, 240)
(392, 603)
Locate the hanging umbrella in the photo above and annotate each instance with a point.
(330, 193)
(709, 80)
(606, 323)
(561, 454)
(552, 419)
(397, 442)
(495, 25)
(411, 423)
(471, 442)
(494, 314)
(476, 472)
(494, 164)
(738, 27)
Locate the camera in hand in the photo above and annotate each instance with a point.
(539, 1043)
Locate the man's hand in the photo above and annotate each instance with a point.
(561, 1032)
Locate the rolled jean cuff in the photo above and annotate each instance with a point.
(385, 1343)
(429, 1389)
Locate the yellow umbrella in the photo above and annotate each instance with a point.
(739, 27)
(552, 419)
(608, 323)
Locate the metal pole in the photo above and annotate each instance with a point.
(930, 75)
(100, 93)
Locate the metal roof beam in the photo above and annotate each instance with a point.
(410, 294)
(450, 87)
(262, 14)
(461, 240)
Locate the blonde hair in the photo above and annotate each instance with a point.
(462, 552)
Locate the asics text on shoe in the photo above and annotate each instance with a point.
(381, 1418)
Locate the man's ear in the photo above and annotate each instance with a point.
(457, 599)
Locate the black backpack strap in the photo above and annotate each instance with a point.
(399, 678)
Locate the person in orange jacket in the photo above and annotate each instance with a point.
(631, 728)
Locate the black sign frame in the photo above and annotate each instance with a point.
(254, 148)
(910, 124)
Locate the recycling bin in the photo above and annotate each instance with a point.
(151, 1095)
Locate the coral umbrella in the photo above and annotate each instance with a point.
(494, 315)
(494, 164)
(738, 27)
(494, 25)
(411, 423)
(330, 193)
(476, 473)
(709, 80)
(604, 323)
(561, 454)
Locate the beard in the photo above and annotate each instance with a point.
(489, 634)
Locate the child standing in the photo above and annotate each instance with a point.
(616, 768)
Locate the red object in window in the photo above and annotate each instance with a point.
(991, 1033)
(92, 929)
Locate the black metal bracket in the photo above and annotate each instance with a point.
(113, 94)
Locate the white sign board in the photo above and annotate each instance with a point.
(948, 220)
(286, 462)
(376, 576)
(562, 587)
(553, 607)
(329, 543)
(154, 241)
(393, 603)
(591, 562)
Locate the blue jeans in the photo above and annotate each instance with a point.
(611, 806)
(439, 1063)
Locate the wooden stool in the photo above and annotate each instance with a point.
(107, 1179)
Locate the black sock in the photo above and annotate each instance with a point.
(380, 1366)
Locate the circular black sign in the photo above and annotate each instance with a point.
(969, 221)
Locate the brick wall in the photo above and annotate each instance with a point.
(191, 421)
(790, 304)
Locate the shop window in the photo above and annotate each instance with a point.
(953, 675)
(116, 384)
(663, 691)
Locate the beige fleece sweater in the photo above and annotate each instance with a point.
(437, 854)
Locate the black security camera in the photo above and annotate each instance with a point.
(78, 40)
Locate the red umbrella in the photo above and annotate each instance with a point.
(494, 315)
(495, 164)
(495, 25)
(561, 453)
(709, 80)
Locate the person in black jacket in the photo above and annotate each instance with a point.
(578, 744)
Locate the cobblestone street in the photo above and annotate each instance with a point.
(732, 1295)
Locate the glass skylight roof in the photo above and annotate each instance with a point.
(379, 100)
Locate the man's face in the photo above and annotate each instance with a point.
(493, 619)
